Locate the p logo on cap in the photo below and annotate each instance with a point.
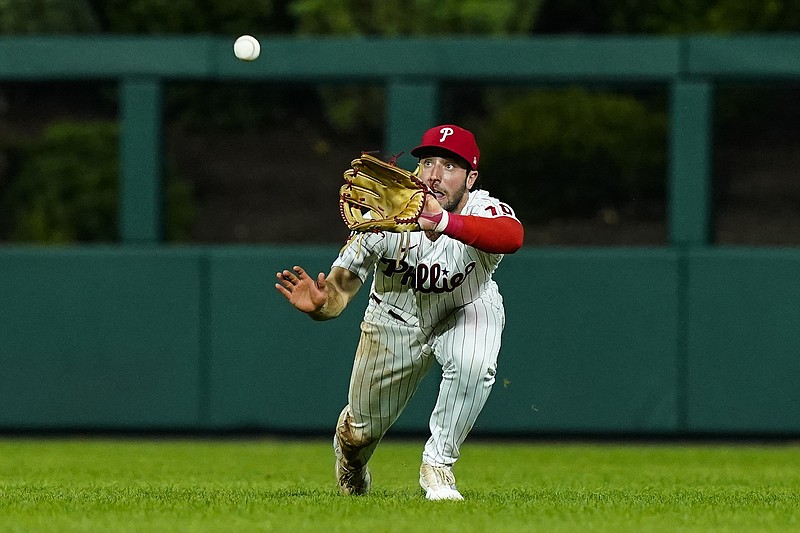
(453, 139)
(445, 132)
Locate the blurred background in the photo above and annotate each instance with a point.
(621, 320)
(231, 145)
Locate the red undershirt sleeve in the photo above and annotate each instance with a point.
(499, 235)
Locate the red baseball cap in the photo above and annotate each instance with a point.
(452, 138)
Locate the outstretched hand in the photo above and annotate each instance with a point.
(303, 292)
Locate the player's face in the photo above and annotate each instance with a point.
(448, 180)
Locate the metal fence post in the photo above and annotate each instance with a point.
(690, 163)
(141, 205)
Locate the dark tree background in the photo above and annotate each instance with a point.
(231, 147)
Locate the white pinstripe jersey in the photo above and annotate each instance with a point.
(433, 278)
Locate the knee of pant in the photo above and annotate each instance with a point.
(473, 371)
(354, 435)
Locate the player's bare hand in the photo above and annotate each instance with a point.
(304, 292)
(430, 213)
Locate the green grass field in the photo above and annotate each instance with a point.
(183, 485)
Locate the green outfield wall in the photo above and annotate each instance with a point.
(621, 341)
(685, 339)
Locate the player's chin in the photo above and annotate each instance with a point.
(448, 204)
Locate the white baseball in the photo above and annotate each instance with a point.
(247, 48)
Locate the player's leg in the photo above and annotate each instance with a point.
(390, 361)
(467, 348)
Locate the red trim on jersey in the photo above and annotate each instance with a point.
(499, 235)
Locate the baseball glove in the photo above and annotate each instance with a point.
(380, 196)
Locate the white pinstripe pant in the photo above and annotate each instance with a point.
(390, 362)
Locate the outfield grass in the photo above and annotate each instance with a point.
(106, 485)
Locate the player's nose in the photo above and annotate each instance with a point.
(436, 173)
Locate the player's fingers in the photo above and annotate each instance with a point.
(287, 279)
(284, 291)
(300, 272)
(285, 285)
(320, 280)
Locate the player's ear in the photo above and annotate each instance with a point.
(472, 177)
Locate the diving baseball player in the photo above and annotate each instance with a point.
(432, 298)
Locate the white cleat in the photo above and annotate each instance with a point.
(353, 482)
(438, 482)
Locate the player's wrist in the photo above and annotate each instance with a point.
(330, 308)
(440, 220)
(443, 222)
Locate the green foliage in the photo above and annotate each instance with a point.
(415, 17)
(742, 110)
(186, 16)
(704, 16)
(67, 188)
(669, 16)
(392, 17)
(232, 17)
(573, 152)
(20, 17)
(351, 108)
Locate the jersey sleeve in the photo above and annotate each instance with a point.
(488, 225)
(499, 235)
(484, 205)
(360, 252)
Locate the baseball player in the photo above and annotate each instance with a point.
(432, 298)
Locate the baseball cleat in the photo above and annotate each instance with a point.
(352, 481)
(438, 482)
